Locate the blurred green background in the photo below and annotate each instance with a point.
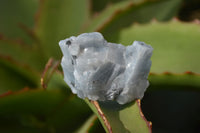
(34, 97)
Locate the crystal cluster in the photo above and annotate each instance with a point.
(100, 70)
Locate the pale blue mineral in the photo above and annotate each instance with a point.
(100, 70)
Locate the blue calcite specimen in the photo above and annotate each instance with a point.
(100, 70)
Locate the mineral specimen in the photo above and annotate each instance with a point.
(100, 70)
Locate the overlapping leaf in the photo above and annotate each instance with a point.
(123, 14)
(58, 20)
(16, 13)
(41, 111)
(176, 44)
(16, 75)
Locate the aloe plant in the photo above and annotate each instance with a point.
(34, 97)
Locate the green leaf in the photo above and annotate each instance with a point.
(124, 14)
(19, 12)
(120, 118)
(6, 84)
(162, 10)
(176, 44)
(21, 75)
(59, 19)
(169, 81)
(41, 111)
(70, 115)
(57, 82)
(98, 6)
(18, 49)
(48, 72)
(107, 15)
(87, 125)
(96, 127)
(52, 78)
(92, 125)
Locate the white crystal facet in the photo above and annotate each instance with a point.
(99, 70)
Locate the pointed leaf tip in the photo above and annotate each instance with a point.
(50, 68)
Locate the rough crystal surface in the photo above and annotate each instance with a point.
(99, 70)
